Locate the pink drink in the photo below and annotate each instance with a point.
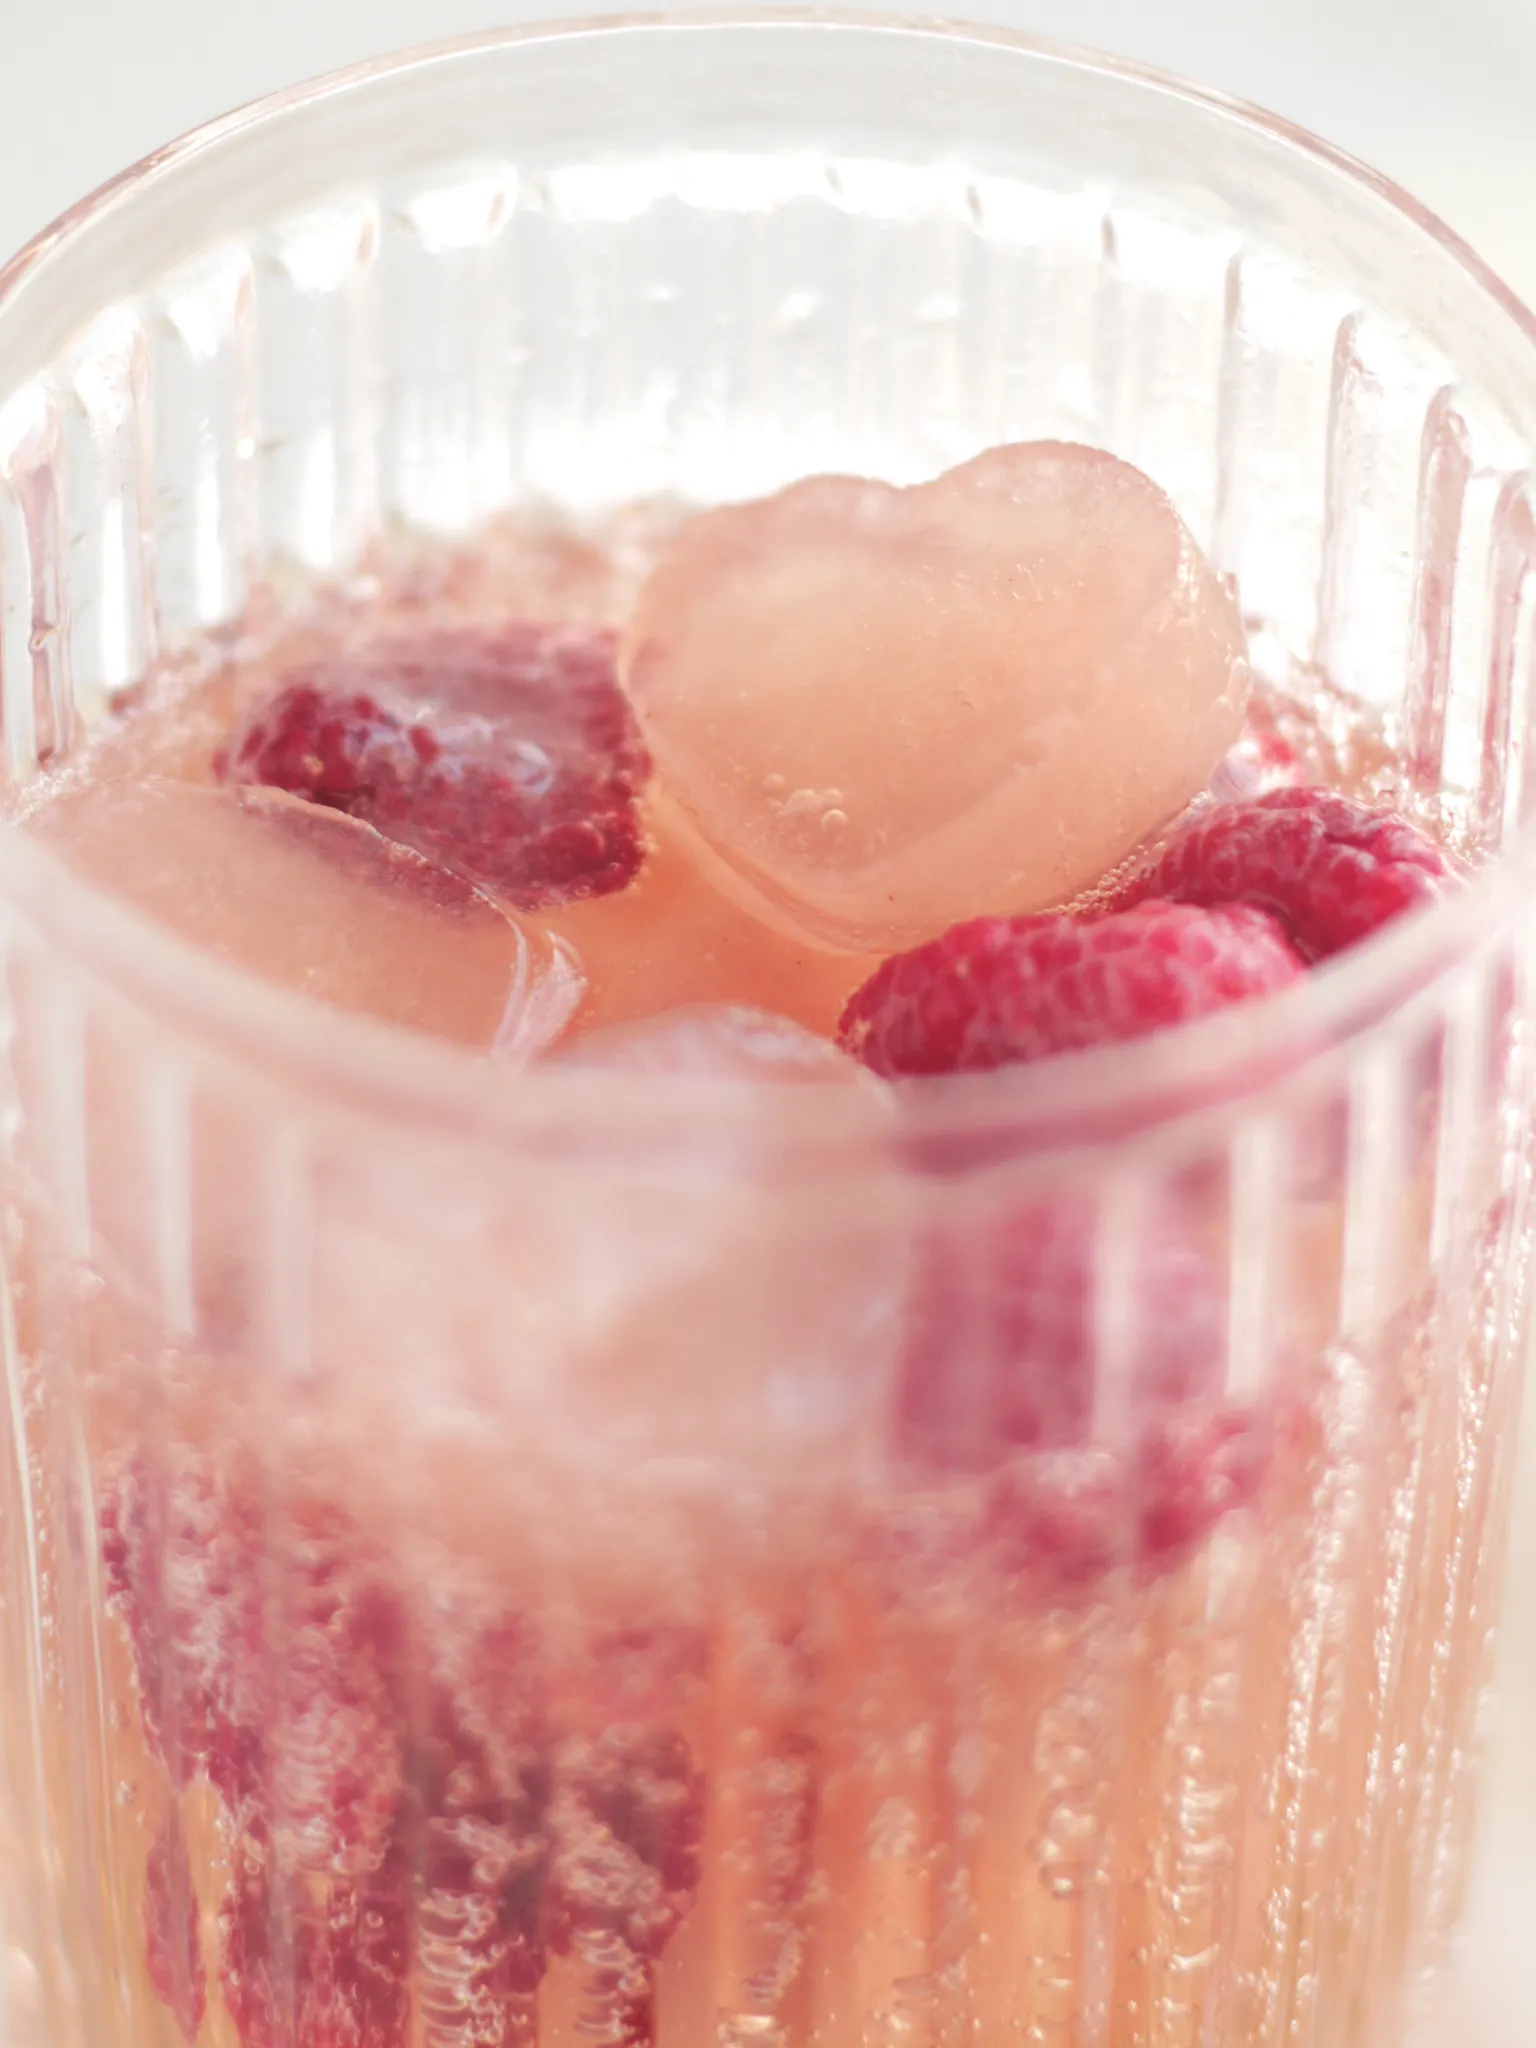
(558, 1521)
(444, 1731)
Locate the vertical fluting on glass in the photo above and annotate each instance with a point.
(35, 1876)
(1508, 788)
(446, 300)
(37, 707)
(203, 346)
(320, 358)
(116, 634)
(1143, 1819)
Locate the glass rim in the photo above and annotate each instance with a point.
(1175, 1082)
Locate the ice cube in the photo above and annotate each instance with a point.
(885, 710)
(321, 904)
(673, 937)
(707, 1298)
(719, 1042)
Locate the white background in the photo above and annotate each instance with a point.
(1441, 94)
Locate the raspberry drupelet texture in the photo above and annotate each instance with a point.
(1002, 991)
(1006, 1346)
(508, 753)
(1331, 870)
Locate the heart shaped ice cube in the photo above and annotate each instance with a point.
(885, 710)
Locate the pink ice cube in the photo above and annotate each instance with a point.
(884, 710)
(321, 904)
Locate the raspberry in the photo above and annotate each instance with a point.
(186, 1563)
(481, 1765)
(308, 1967)
(401, 1812)
(1002, 990)
(626, 1817)
(461, 1856)
(1067, 1518)
(182, 1563)
(1063, 1519)
(274, 1669)
(509, 754)
(333, 1772)
(1004, 1353)
(1194, 1466)
(1005, 1348)
(1328, 868)
(172, 1951)
(1003, 1343)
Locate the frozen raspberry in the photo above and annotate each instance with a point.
(1062, 1520)
(400, 1810)
(1014, 1327)
(172, 1950)
(626, 1817)
(317, 1966)
(1002, 990)
(274, 1668)
(1004, 1346)
(182, 1562)
(626, 1820)
(1328, 868)
(481, 1769)
(1067, 1518)
(1194, 1467)
(509, 754)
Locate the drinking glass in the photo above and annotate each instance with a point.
(480, 1563)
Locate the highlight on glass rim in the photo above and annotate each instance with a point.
(766, 1097)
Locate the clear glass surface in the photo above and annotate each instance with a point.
(460, 1582)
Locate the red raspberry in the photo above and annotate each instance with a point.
(461, 1862)
(1061, 1520)
(182, 1565)
(1065, 1519)
(626, 1820)
(1001, 990)
(317, 1967)
(1002, 1367)
(401, 1812)
(1331, 870)
(1194, 1466)
(172, 1951)
(481, 1766)
(509, 754)
(1003, 1343)
(301, 1722)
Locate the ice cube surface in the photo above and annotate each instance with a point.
(674, 937)
(884, 710)
(321, 904)
(720, 1042)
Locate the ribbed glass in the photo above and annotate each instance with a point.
(461, 1582)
